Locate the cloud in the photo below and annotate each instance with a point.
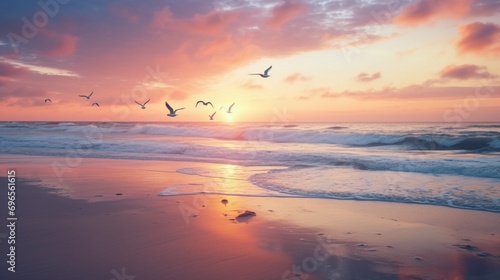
(479, 37)
(485, 8)
(53, 44)
(365, 77)
(208, 24)
(426, 11)
(22, 96)
(292, 78)
(10, 70)
(124, 13)
(284, 12)
(412, 92)
(250, 85)
(465, 71)
(177, 95)
(39, 69)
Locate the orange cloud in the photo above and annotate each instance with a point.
(251, 85)
(479, 37)
(412, 92)
(465, 71)
(425, 11)
(365, 77)
(295, 77)
(284, 12)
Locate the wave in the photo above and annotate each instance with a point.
(244, 154)
(447, 191)
(466, 140)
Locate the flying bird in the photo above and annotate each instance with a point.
(143, 106)
(228, 110)
(87, 96)
(172, 111)
(265, 75)
(95, 103)
(212, 116)
(204, 103)
(48, 100)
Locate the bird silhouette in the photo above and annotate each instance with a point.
(228, 110)
(204, 103)
(212, 116)
(87, 96)
(266, 73)
(143, 106)
(173, 113)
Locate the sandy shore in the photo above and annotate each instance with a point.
(104, 220)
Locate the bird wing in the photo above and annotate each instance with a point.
(199, 103)
(222, 107)
(82, 95)
(178, 109)
(138, 103)
(146, 102)
(210, 104)
(214, 114)
(267, 70)
(169, 108)
(231, 107)
(91, 94)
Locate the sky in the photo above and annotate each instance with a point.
(332, 61)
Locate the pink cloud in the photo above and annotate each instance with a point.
(23, 96)
(479, 37)
(284, 12)
(9, 70)
(365, 77)
(425, 11)
(55, 44)
(295, 77)
(465, 71)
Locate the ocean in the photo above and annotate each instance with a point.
(454, 165)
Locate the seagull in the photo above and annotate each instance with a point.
(48, 100)
(265, 75)
(88, 97)
(95, 104)
(228, 110)
(212, 116)
(143, 106)
(172, 111)
(204, 103)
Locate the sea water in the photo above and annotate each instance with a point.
(456, 165)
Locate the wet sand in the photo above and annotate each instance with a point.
(104, 220)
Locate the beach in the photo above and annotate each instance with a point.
(106, 220)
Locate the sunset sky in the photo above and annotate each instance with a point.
(333, 61)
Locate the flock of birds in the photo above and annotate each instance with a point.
(172, 112)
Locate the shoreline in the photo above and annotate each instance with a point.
(105, 223)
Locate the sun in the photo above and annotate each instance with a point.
(229, 118)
